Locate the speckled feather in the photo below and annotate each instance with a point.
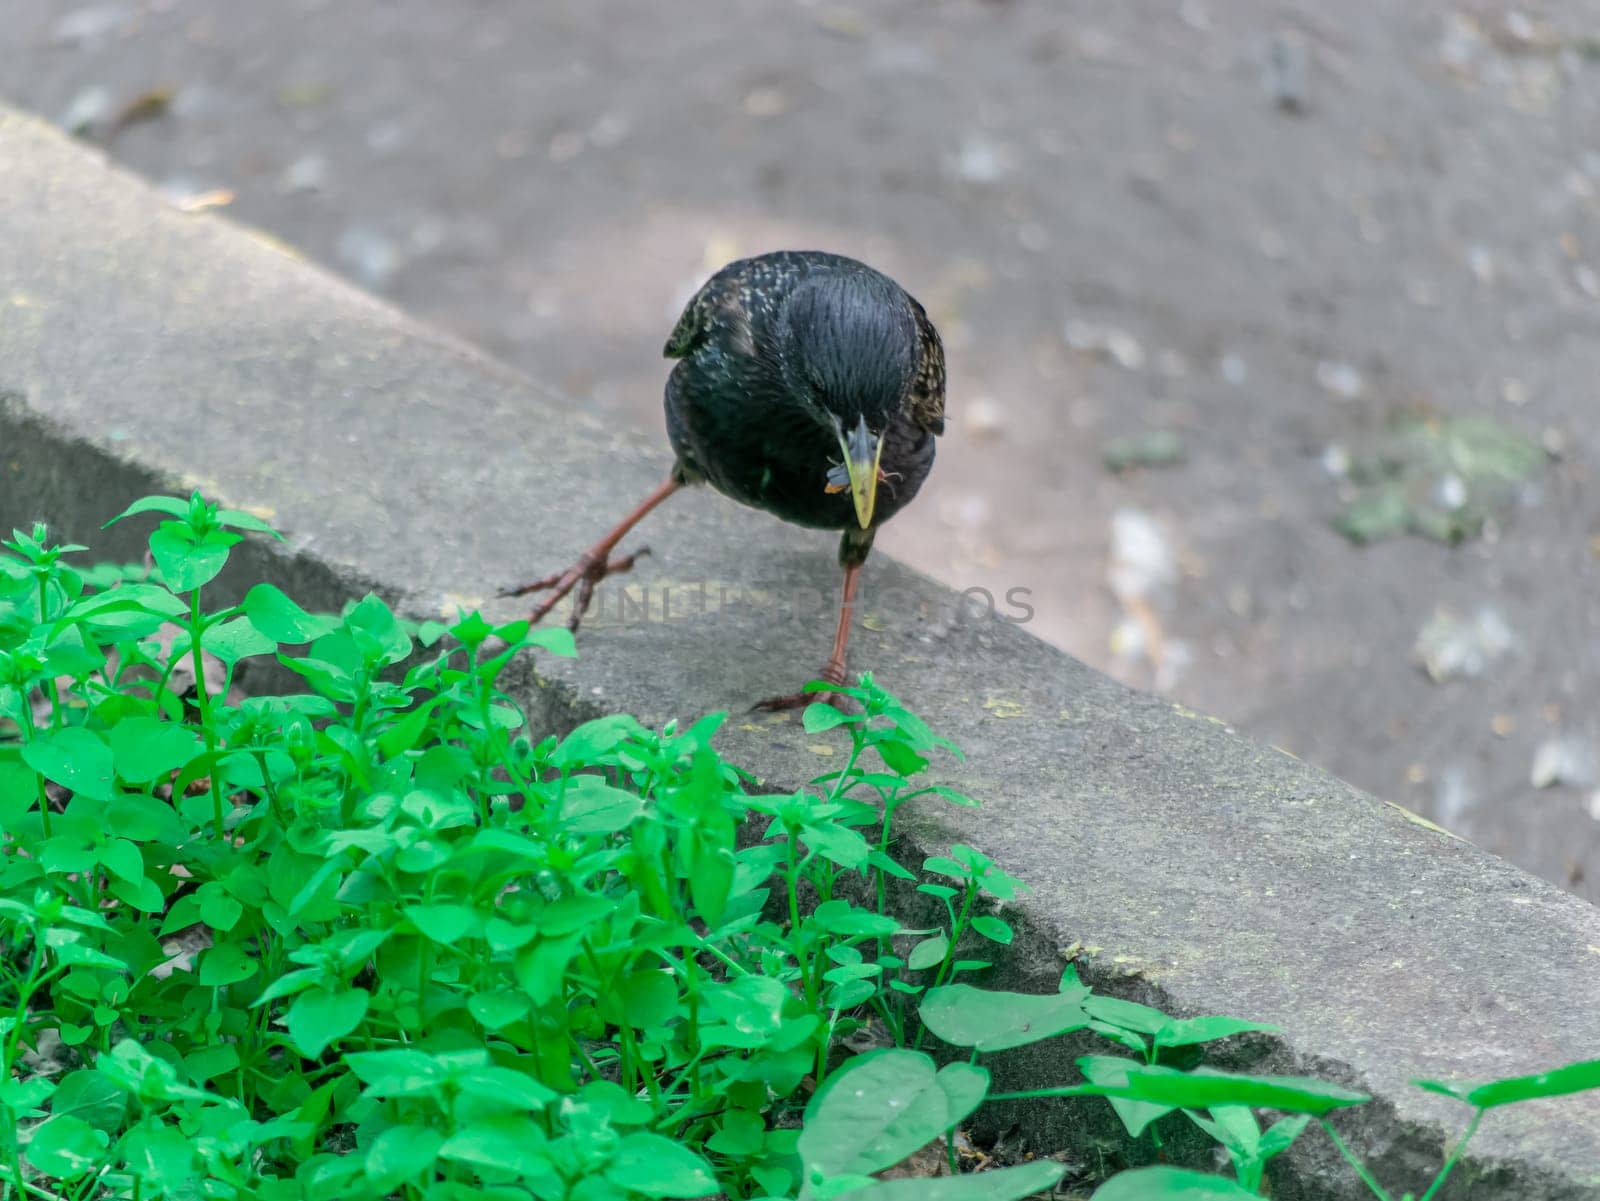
(767, 345)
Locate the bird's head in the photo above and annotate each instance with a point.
(848, 354)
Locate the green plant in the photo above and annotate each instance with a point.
(1441, 476)
(377, 938)
(410, 948)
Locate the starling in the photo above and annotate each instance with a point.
(807, 384)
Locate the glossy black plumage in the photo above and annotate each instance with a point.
(772, 346)
(808, 385)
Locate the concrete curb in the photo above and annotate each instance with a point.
(143, 347)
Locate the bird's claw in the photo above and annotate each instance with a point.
(583, 575)
(799, 700)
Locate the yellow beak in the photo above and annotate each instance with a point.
(862, 451)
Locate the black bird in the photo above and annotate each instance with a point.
(808, 385)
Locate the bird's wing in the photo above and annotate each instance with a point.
(927, 390)
(719, 308)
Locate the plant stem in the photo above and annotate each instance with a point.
(1455, 1155)
(203, 700)
(1360, 1168)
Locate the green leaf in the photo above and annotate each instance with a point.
(497, 1009)
(170, 505)
(841, 917)
(900, 758)
(403, 735)
(1163, 1183)
(91, 1097)
(66, 1147)
(741, 1134)
(1006, 1184)
(997, 1021)
(399, 1072)
(240, 520)
(647, 998)
(146, 748)
(188, 562)
(75, 758)
(400, 1154)
(110, 607)
(444, 922)
(1233, 1126)
(1113, 1071)
(928, 953)
(122, 859)
(1188, 1031)
(750, 1004)
(501, 1143)
(1204, 1088)
(819, 717)
(591, 806)
(553, 640)
(234, 640)
(217, 908)
(595, 740)
(63, 854)
(540, 967)
(160, 1155)
(1573, 1078)
(1126, 1015)
(80, 955)
(226, 963)
(1281, 1134)
(880, 1107)
(212, 1061)
(272, 612)
(654, 1166)
(993, 929)
(144, 819)
(144, 895)
(288, 984)
(837, 844)
(320, 1017)
(504, 1088)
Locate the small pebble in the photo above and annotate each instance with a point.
(370, 254)
(1450, 648)
(309, 173)
(89, 110)
(766, 102)
(565, 146)
(1481, 263)
(1125, 349)
(1451, 492)
(980, 160)
(1563, 761)
(1340, 379)
(1286, 72)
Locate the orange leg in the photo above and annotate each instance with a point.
(833, 672)
(594, 565)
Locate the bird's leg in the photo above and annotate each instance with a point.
(833, 672)
(594, 565)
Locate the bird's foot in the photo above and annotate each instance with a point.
(830, 674)
(583, 575)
